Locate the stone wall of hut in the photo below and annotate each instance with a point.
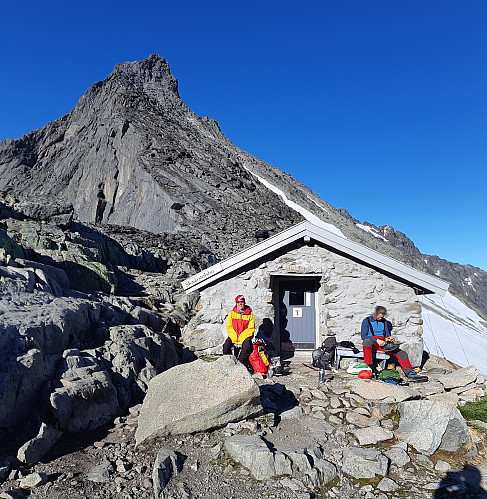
(348, 291)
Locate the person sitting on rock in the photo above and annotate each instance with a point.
(375, 329)
(240, 330)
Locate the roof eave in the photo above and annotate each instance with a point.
(328, 238)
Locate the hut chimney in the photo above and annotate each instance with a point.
(261, 234)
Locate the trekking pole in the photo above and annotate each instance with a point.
(322, 376)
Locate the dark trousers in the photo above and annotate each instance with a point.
(245, 350)
(402, 357)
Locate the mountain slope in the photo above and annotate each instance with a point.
(469, 282)
(132, 154)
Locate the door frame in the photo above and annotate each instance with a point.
(276, 280)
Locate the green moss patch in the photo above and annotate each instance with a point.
(475, 410)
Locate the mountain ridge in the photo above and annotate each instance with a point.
(131, 153)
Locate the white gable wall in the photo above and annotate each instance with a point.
(348, 292)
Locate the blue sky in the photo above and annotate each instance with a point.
(379, 106)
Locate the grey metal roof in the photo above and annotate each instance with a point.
(342, 244)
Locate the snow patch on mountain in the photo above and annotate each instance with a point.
(454, 331)
(306, 214)
(371, 231)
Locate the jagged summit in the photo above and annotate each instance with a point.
(154, 67)
(151, 76)
(132, 86)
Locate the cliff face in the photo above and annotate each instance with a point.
(132, 154)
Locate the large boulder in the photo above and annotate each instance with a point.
(13, 279)
(34, 331)
(51, 273)
(45, 209)
(197, 397)
(429, 425)
(204, 339)
(21, 384)
(41, 321)
(136, 354)
(87, 397)
(85, 272)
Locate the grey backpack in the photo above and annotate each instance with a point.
(324, 356)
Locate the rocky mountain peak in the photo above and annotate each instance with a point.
(153, 68)
(153, 72)
(131, 86)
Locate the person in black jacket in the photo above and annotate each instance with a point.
(375, 329)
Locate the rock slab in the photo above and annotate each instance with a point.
(364, 463)
(196, 397)
(33, 480)
(378, 390)
(252, 452)
(461, 377)
(33, 450)
(165, 465)
(372, 435)
(101, 473)
(428, 426)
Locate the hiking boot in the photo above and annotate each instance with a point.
(375, 372)
(413, 376)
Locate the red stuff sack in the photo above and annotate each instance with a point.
(259, 361)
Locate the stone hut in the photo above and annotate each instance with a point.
(307, 283)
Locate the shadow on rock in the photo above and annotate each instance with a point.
(277, 399)
(464, 483)
(72, 442)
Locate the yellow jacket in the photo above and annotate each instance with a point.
(240, 326)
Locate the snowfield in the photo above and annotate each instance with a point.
(453, 331)
(370, 230)
(296, 207)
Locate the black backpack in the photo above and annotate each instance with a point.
(324, 356)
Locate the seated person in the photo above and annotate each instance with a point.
(240, 330)
(375, 330)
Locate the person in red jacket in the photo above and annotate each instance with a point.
(240, 330)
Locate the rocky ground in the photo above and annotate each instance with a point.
(333, 441)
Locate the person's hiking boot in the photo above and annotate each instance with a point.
(374, 370)
(414, 376)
